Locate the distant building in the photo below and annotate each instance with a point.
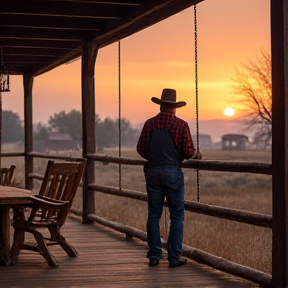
(234, 142)
(205, 141)
(60, 141)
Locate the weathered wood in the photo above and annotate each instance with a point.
(225, 265)
(242, 167)
(4, 235)
(146, 15)
(89, 55)
(113, 159)
(116, 191)
(197, 255)
(105, 26)
(279, 49)
(126, 229)
(210, 165)
(251, 218)
(36, 176)
(9, 196)
(52, 156)
(241, 216)
(49, 210)
(28, 128)
(6, 175)
(107, 259)
(17, 154)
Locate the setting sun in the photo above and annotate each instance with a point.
(229, 112)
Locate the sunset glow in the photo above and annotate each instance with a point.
(229, 112)
(161, 56)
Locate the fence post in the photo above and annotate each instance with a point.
(89, 54)
(28, 128)
(279, 60)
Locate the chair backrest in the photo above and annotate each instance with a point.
(6, 175)
(60, 182)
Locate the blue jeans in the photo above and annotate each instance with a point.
(161, 182)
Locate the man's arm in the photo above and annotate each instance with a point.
(190, 151)
(143, 142)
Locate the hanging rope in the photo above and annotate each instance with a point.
(196, 96)
(119, 112)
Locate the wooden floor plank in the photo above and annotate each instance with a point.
(107, 259)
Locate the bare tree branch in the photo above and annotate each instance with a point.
(252, 86)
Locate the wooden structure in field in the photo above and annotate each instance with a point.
(60, 142)
(39, 35)
(234, 142)
(205, 141)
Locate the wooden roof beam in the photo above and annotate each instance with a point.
(140, 20)
(105, 2)
(145, 16)
(46, 34)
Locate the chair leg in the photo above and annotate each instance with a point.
(18, 241)
(56, 236)
(43, 249)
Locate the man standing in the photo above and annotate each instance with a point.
(165, 142)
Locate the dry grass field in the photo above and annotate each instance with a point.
(241, 243)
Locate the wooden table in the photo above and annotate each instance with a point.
(9, 197)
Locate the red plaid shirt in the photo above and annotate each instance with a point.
(180, 132)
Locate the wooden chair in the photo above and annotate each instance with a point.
(49, 210)
(6, 175)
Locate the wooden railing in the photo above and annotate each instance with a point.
(219, 263)
(38, 176)
(246, 217)
(13, 154)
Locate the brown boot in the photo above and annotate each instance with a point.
(153, 261)
(175, 263)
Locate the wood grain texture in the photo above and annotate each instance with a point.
(107, 259)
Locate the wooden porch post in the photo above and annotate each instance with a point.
(89, 54)
(28, 128)
(279, 53)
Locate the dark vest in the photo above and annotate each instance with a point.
(162, 148)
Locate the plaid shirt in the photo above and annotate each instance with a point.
(180, 132)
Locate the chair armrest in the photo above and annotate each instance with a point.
(48, 203)
(49, 199)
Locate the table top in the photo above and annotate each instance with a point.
(14, 195)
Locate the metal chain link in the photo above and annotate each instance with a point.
(196, 96)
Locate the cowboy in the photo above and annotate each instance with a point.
(165, 141)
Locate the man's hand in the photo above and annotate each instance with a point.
(197, 155)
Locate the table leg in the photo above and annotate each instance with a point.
(4, 236)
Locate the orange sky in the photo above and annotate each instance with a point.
(229, 32)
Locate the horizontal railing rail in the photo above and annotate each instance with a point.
(246, 217)
(210, 165)
(261, 220)
(12, 154)
(40, 177)
(53, 156)
(197, 255)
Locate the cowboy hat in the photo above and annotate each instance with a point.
(168, 98)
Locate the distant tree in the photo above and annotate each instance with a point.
(41, 132)
(70, 123)
(252, 85)
(107, 133)
(128, 133)
(12, 129)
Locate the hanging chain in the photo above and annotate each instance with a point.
(119, 111)
(196, 95)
